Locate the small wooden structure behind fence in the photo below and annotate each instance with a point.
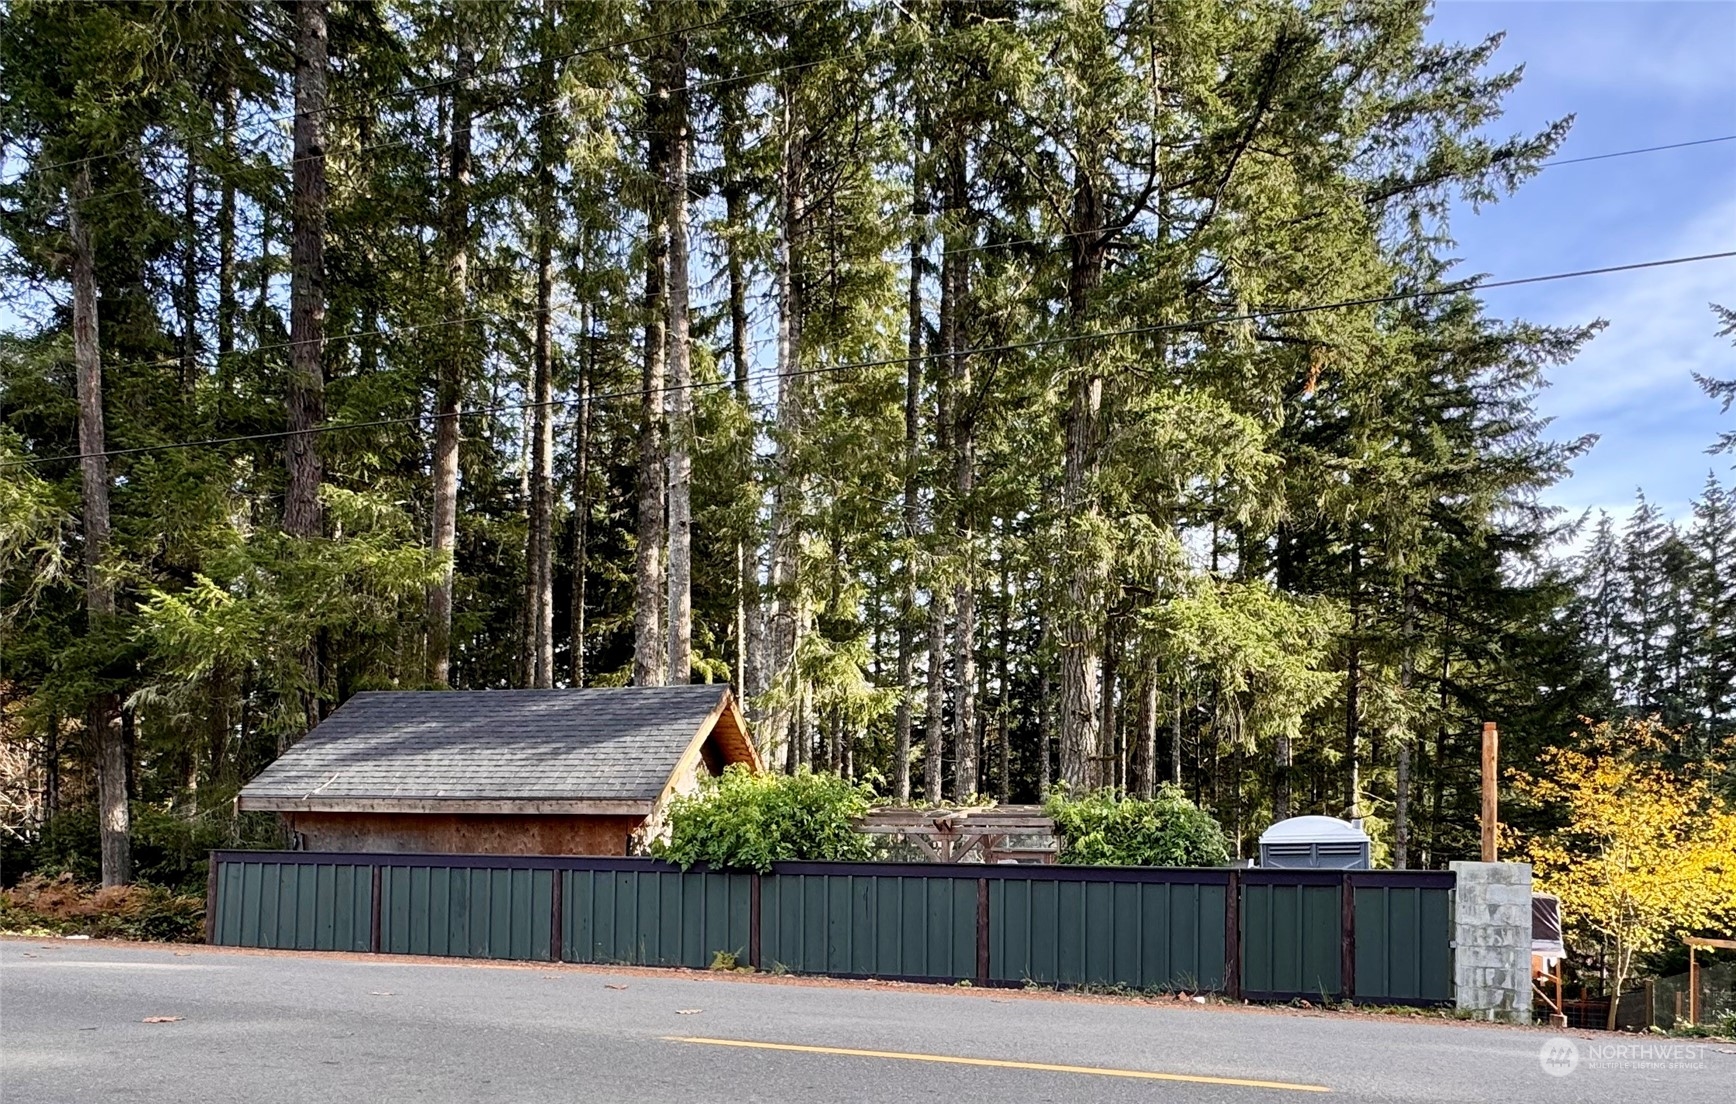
(1371, 936)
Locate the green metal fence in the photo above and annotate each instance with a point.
(837, 921)
(1263, 934)
(1404, 939)
(465, 912)
(1143, 934)
(655, 917)
(258, 901)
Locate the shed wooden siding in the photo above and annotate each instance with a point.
(464, 833)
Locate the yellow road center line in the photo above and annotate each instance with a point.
(1002, 1063)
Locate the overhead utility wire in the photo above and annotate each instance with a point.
(1541, 165)
(1015, 346)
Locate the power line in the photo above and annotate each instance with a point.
(1541, 165)
(1015, 346)
(1643, 149)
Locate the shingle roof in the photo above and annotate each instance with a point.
(491, 745)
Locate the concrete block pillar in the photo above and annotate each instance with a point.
(1492, 940)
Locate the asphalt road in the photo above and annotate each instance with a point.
(263, 1028)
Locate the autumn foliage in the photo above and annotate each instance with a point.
(1646, 846)
(63, 906)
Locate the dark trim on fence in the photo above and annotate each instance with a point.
(557, 906)
(211, 869)
(374, 918)
(1347, 940)
(1233, 937)
(1402, 879)
(978, 871)
(1013, 872)
(982, 932)
(753, 921)
(1267, 876)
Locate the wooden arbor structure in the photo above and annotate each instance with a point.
(999, 834)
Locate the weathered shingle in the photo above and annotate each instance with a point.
(616, 744)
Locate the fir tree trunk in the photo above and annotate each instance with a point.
(1045, 723)
(541, 535)
(1106, 771)
(1352, 690)
(101, 723)
(650, 643)
(911, 507)
(302, 512)
(1079, 496)
(581, 498)
(934, 750)
(1175, 737)
(786, 496)
(1145, 759)
(680, 398)
(954, 295)
(449, 384)
(1401, 826)
(1003, 696)
(306, 394)
(580, 514)
(189, 298)
(226, 300)
(747, 659)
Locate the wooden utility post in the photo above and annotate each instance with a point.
(1491, 806)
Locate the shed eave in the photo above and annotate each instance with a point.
(531, 806)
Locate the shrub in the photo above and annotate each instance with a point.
(748, 821)
(62, 906)
(169, 848)
(1109, 828)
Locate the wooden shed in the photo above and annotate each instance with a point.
(503, 772)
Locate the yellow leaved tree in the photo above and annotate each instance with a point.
(1647, 851)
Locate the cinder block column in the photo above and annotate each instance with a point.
(1492, 940)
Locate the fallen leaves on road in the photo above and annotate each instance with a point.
(614, 986)
(161, 1019)
(183, 954)
(688, 1011)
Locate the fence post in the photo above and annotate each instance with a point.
(1347, 961)
(557, 908)
(374, 918)
(753, 922)
(1233, 936)
(982, 926)
(211, 898)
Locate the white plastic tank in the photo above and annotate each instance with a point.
(1314, 843)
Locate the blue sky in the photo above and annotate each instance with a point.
(1634, 74)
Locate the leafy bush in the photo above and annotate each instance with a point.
(1109, 828)
(748, 821)
(62, 906)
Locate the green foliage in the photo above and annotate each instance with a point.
(170, 849)
(746, 821)
(1108, 828)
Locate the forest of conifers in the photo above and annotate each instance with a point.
(995, 394)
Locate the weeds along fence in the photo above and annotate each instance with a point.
(1370, 936)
